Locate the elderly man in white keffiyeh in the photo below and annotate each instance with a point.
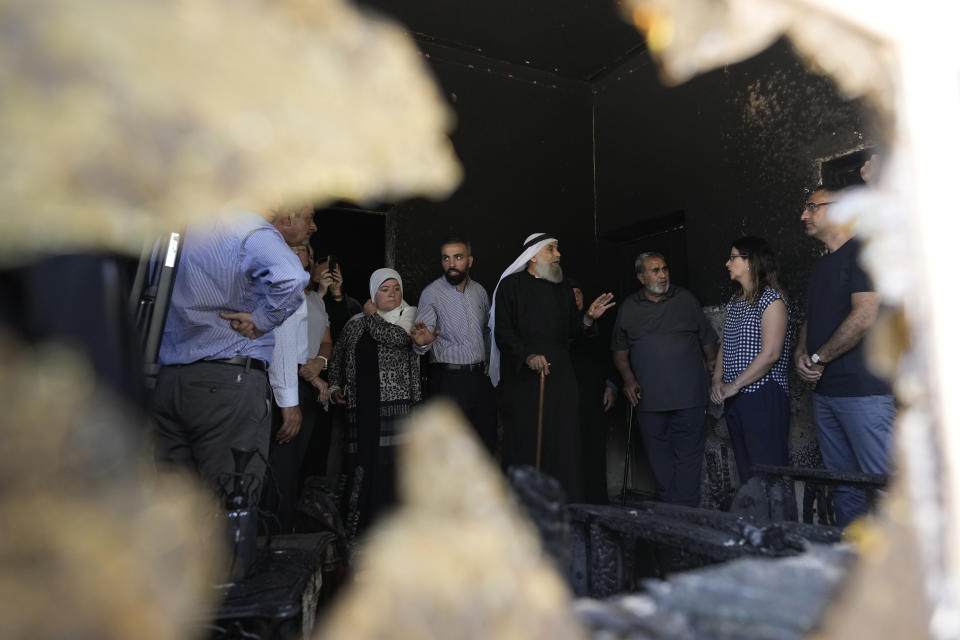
(533, 321)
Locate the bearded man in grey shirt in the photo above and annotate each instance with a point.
(660, 342)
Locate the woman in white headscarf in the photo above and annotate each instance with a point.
(376, 374)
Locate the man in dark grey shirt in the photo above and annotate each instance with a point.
(660, 341)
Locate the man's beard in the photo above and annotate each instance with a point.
(657, 290)
(548, 271)
(455, 276)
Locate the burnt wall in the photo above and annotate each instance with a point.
(733, 150)
(525, 140)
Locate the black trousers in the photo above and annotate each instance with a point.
(318, 451)
(202, 410)
(759, 427)
(282, 488)
(674, 441)
(475, 396)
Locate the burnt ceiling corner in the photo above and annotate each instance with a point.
(579, 40)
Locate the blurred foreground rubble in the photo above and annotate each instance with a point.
(124, 119)
(91, 545)
(456, 560)
(750, 598)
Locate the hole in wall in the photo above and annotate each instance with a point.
(842, 171)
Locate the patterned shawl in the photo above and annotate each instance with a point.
(399, 365)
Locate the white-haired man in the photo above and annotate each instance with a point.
(533, 320)
(660, 341)
(237, 282)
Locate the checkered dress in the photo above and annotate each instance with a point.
(742, 341)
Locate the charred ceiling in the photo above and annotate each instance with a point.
(578, 40)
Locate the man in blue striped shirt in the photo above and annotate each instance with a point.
(237, 280)
(456, 308)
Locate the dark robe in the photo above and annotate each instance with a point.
(377, 490)
(535, 316)
(593, 365)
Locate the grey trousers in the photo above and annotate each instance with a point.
(202, 410)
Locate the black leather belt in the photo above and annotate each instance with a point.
(242, 361)
(478, 366)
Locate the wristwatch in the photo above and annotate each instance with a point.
(815, 358)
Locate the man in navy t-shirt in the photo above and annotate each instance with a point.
(853, 408)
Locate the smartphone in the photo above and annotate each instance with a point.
(332, 262)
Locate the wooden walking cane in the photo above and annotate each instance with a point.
(626, 458)
(540, 419)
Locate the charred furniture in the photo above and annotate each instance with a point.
(613, 548)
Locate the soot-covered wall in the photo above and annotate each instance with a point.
(525, 140)
(733, 150)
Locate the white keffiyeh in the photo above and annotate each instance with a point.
(532, 246)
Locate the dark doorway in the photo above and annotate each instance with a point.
(665, 234)
(358, 238)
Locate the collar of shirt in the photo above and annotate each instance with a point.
(466, 283)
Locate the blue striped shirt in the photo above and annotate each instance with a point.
(237, 263)
(461, 317)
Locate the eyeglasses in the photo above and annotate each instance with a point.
(811, 207)
(733, 256)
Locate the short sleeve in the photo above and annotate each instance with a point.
(705, 332)
(859, 280)
(619, 341)
(768, 297)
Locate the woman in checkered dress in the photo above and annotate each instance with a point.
(750, 377)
